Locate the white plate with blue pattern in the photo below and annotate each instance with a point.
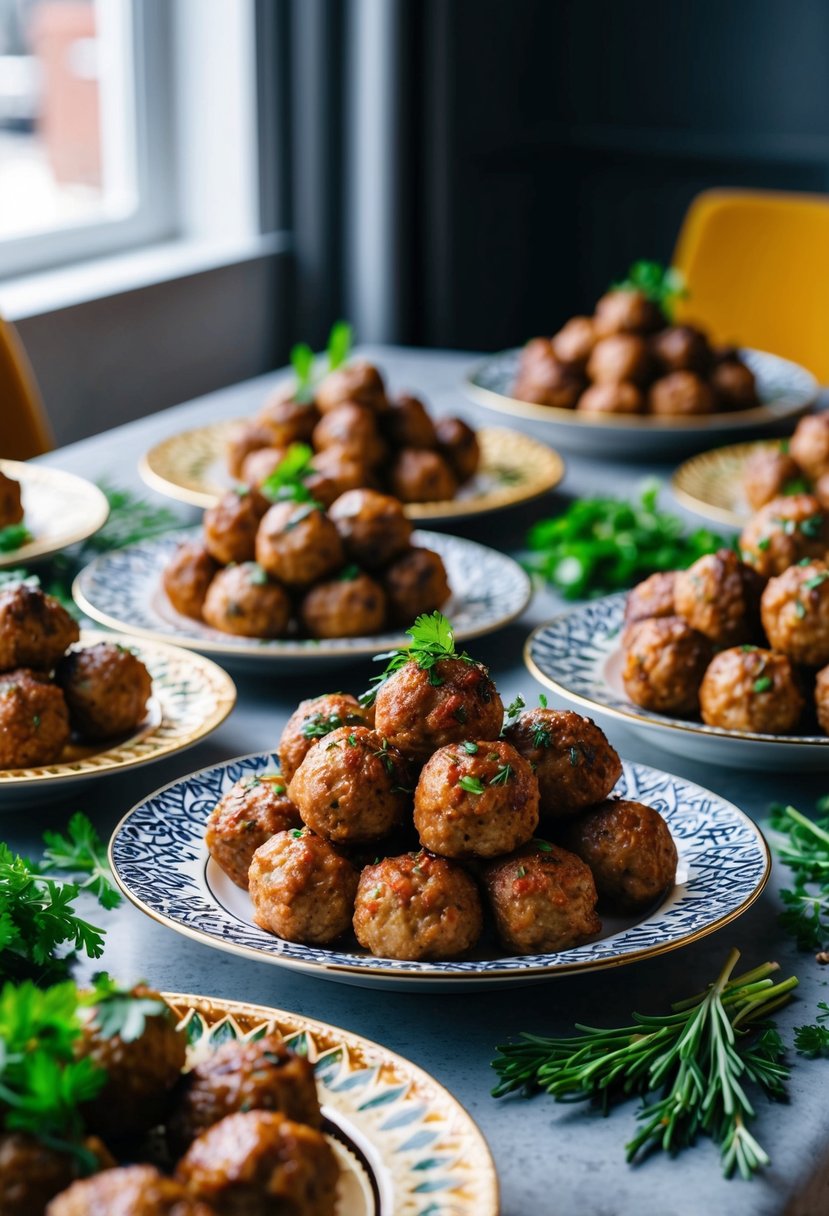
(160, 861)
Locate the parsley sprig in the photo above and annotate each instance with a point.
(123, 1011)
(663, 285)
(803, 846)
(813, 1040)
(303, 360)
(81, 851)
(433, 640)
(287, 482)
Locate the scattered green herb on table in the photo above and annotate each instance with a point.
(804, 848)
(813, 1040)
(664, 285)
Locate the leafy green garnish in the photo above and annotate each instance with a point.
(804, 848)
(813, 1040)
(14, 536)
(472, 785)
(502, 775)
(81, 851)
(287, 482)
(119, 1011)
(302, 360)
(663, 285)
(339, 344)
(432, 641)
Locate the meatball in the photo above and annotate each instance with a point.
(35, 628)
(421, 475)
(573, 762)
(681, 394)
(770, 473)
(350, 606)
(31, 1173)
(301, 888)
(747, 688)
(653, 597)
(543, 899)
(230, 527)
(417, 907)
(734, 386)
(340, 468)
(407, 424)
(372, 526)
(784, 532)
(664, 662)
(619, 357)
(245, 438)
(357, 381)
(253, 809)
(719, 596)
(351, 786)
(258, 466)
(626, 311)
(610, 398)
(261, 1164)
(821, 490)
(629, 849)
(419, 711)
(107, 689)
(822, 699)
(287, 420)
(131, 1190)
(459, 447)
(809, 445)
(476, 799)
(574, 341)
(298, 544)
(681, 348)
(544, 379)
(313, 720)
(187, 576)
(243, 600)
(415, 583)
(795, 613)
(351, 428)
(34, 720)
(11, 503)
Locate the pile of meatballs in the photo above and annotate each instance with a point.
(361, 436)
(270, 570)
(239, 1132)
(11, 503)
(413, 824)
(796, 465)
(626, 359)
(740, 640)
(51, 689)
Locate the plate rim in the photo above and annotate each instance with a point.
(700, 506)
(21, 470)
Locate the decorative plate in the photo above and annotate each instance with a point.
(160, 861)
(405, 1146)
(122, 589)
(191, 467)
(579, 656)
(786, 390)
(191, 698)
(60, 509)
(711, 484)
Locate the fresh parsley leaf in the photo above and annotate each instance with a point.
(122, 1012)
(339, 344)
(432, 641)
(81, 851)
(302, 360)
(663, 285)
(472, 785)
(287, 482)
(14, 536)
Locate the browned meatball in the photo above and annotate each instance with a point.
(313, 720)
(421, 475)
(681, 394)
(301, 888)
(187, 576)
(352, 786)
(417, 907)
(419, 711)
(626, 311)
(131, 1190)
(35, 628)
(230, 527)
(34, 719)
(619, 357)
(407, 424)
(11, 504)
(610, 398)
(544, 379)
(629, 849)
(719, 596)
(242, 600)
(258, 466)
(298, 544)
(681, 348)
(822, 699)
(784, 532)
(733, 386)
(821, 490)
(257, 1074)
(543, 899)
(770, 473)
(372, 526)
(357, 381)
(107, 689)
(31, 1173)
(288, 421)
(351, 428)
(795, 612)
(809, 445)
(350, 606)
(259, 1163)
(664, 663)
(245, 438)
(253, 809)
(573, 762)
(415, 583)
(459, 447)
(340, 468)
(476, 799)
(574, 341)
(653, 597)
(747, 688)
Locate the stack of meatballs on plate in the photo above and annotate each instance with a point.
(49, 691)
(404, 821)
(791, 466)
(626, 359)
(361, 436)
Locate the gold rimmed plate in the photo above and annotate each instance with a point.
(515, 468)
(59, 508)
(711, 484)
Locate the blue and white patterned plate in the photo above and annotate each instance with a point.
(579, 656)
(122, 589)
(159, 859)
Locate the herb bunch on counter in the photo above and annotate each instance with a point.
(804, 848)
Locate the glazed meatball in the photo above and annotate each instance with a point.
(664, 662)
(407, 424)
(770, 473)
(11, 504)
(258, 466)
(419, 711)
(573, 762)
(822, 699)
(313, 720)
(34, 720)
(342, 468)
(35, 628)
(809, 445)
(288, 421)
(681, 394)
(187, 576)
(733, 386)
(31, 1173)
(653, 597)
(131, 1190)
(253, 809)
(301, 888)
(619, 357)
(821, 490)
(681, 348)
(459, 447)
(261, 1164)
(244, 601)
(784, 532)
(358, 381)
(476, 799)
(351, 786)
(719, 596)
(543, 899)
(574, 341)
(107, 689)
(245, 438)
(795, 612)
(372, 526)
(610, 398)
(351, 428)
(351, 606)
(415, 583)
(626, 311)
(629, 849)
(421, 475)
(417, 907)
(747, 688)
(298, 544)
(544, 379)
(230, 527)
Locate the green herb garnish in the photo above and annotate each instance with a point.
(764, 684)
(122, 1012)
(472, 785)
(470, 748)
(804, 848)
(339, 344)
(663, 285)
(432, 641)
(81, 851)
(514, 708)
(287, 482)
(813, 1041)
(302, 361)
(14, 536)
(502, 775)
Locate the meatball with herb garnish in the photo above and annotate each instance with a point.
(313, 720)
(795, 612)
(664, 662)
(574, 341)
(35, 628)
(574, 764)
(543, 899)
(258, 466)
(107, 689)
(129, 1190)
(680, 394)
(298, 544)
(783, 532)
(289, 421)
(230, 527)
(373, 527)
(458, 444)
(301, 888)
(34, 719)
(253, 809)
(822, 699)
(629, 849)
(341, 468)
(31, 1173)
(622, 398)
(733, 385)
(244, 601)
(749, 689)
(619, 357)
(417, 906)
(415, 583)
(245, 438)
(407, 424)
(187, 576)
(624, 310)
(349, 606)
(809, 445)
(421, 475)
(770, 473)
(719, 596)
(652, 598)
(351, 428)
(357, 381)
(11, 503)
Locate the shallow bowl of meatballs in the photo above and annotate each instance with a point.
(55, 508)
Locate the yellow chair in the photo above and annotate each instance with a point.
(757, 268)
(24, 429)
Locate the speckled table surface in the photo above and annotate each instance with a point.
(552, 1160)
